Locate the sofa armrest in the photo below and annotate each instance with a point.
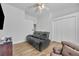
(68, 51)
(74, 46)
(29, 35)
(43, 44)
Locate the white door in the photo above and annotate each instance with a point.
(65, 29)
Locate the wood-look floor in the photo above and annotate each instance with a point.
(25, 49)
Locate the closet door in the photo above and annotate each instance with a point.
(65, 29)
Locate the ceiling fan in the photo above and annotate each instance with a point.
(37, 9)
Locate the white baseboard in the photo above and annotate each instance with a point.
(16, 42)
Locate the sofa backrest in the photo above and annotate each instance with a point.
(41, 34)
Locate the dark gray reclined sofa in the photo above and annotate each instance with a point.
(39, 40)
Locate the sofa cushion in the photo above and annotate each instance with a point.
(37, 34)
(54, 54)
(68, 51)
(57, 50)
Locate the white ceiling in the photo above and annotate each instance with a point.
(57, 9)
